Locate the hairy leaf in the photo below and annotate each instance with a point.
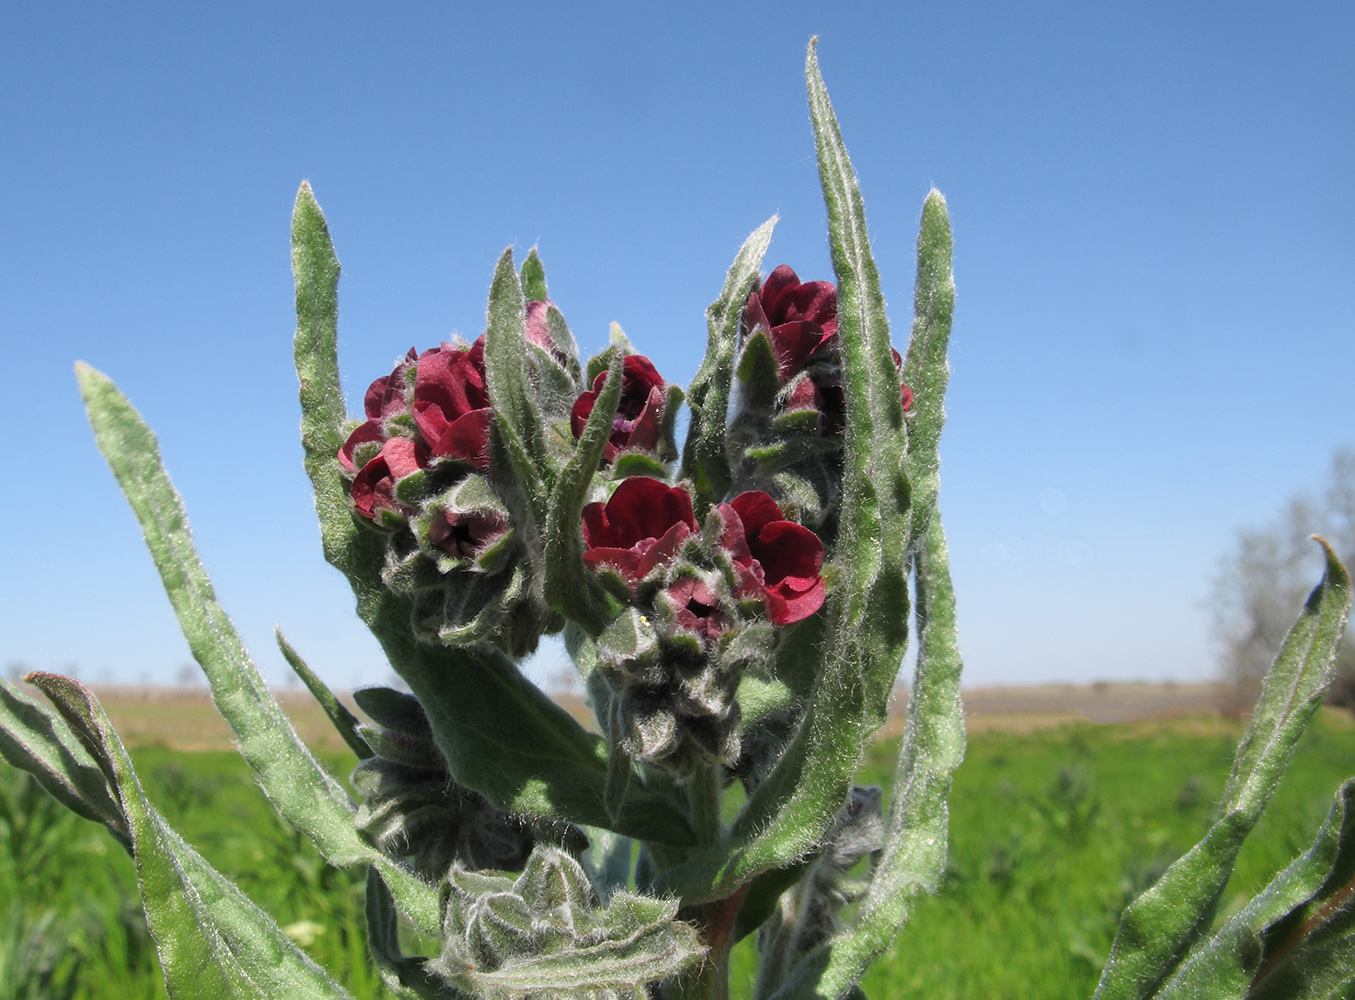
(36, 741)
(571, 588)
(914, 856)
(302, 791)
(343, 720)
(1160, 926)
(516, 420)
(1264, 948)
(872, 622)
(213, 942)
(533, 278)
(925, 368)
(704, 460)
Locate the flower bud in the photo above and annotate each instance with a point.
(418, 467)
(412, 808)
(639, 421)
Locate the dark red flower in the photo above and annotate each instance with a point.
(696, 607)
(639, 528)
(388, 396)
(798, 317)
(451, 403)
(777, 559)
(466, 534)
(373, 487)
(639, 414)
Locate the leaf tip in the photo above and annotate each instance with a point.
(88, 378)
(1336, 570)
(305, 195)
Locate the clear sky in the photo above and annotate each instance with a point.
(1154, 217)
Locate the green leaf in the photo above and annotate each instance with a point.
(533, 278)
(516, 420)
(757, 372)
(872, 620)
(36, 741)
(213, 942)
(1264, 947)
(914, 857)
(704, 460)
(343, 720)
(570, 587)
(302, 791)
(404, 975)
(322, 407)
(1160, 926)
(925, 368)
(524, 753)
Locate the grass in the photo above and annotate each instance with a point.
(1052, 833)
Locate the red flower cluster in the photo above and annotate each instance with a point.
(800, 320)
(645, 523)
(639, 414)
(442, 393)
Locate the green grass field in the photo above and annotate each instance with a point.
(1051, 834)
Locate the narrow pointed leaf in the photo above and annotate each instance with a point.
(872, 624)
(404, 975)
(516, 419)
(914, 857)
(533, 278)
(704, 460)
(1267, 936)
(1160, 926)
(925, 368)
(322, 407)
(213, 942)
(36, 741)
(302, 791)
(571, 588)
(343, 720)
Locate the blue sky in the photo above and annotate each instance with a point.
(1154, 217)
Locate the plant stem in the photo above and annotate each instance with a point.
(703, 797)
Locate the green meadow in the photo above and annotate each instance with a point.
(1052, 833)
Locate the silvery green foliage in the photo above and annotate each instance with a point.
(736, 637)
(544, 935)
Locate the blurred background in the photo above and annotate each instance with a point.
(1154, 224)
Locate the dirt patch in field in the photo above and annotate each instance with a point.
(185, 719)
(1048, 706)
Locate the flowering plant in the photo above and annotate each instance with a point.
(739, 611)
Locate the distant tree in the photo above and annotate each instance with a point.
(1262, 583)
